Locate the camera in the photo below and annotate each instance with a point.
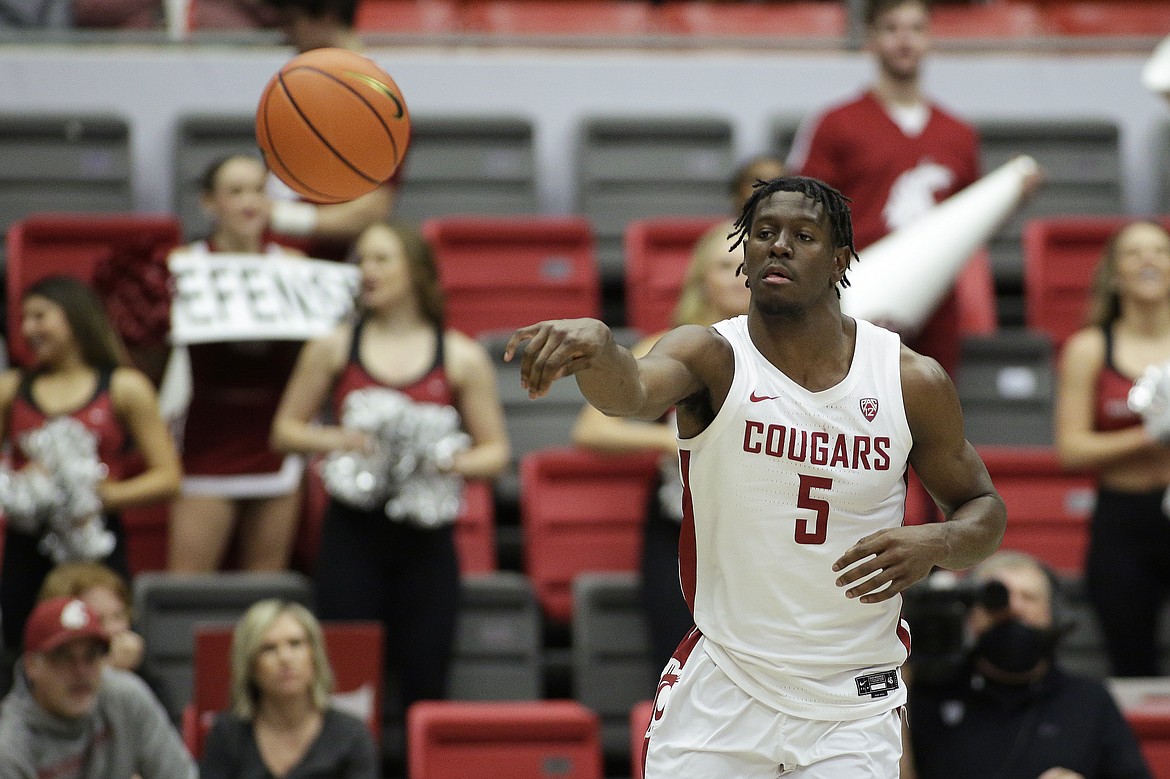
(937, 611)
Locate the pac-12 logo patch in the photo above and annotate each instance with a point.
(869, 407)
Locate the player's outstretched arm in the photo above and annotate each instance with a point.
(609, 376)
(956, 478)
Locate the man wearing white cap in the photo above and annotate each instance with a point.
(69, 715)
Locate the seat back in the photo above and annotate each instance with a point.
(612, 667)
(200, 140)
(1048, 508)
(637, 167)
(527, 19)
(580, 511)
(354, 650)
(468, 165)
(498, 640)
(658, 253)
(640, 716)
(63, 162)
(1081, 159)
(169, 607)
(811, 19)
(500, 273)
(516, 740)
(72, 244)
(1144, 18)
(1006, 387)
(425, 17)
(998, 21)
(1061, 254)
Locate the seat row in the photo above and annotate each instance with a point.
(703, 19)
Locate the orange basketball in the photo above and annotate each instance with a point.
(332, 125)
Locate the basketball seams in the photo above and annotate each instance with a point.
(373, 109)
(271, 145)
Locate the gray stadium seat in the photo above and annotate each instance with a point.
(640, 166)
(1081, 159)
(63, 162)
(468, 165)
(1006, 388)
(497, 641)
(1082, 650)
(201, 139)
(783, 134)
(168, 607)
(611, 665)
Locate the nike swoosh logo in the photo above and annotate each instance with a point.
(754, 398)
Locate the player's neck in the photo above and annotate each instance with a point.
(898, 92)
(815, 350)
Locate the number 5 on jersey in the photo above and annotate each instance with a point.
(815, 530)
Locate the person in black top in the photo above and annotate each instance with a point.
(1009, 711)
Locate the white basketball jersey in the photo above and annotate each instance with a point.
(778, 487)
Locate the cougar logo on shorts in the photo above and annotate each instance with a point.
(869, 407)
(670, 675)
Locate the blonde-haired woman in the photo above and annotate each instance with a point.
(281, 723)
(712, 290)
(1128, 330)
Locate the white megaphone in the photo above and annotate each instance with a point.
(901, 279)
(1156, 72)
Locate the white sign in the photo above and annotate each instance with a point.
(242, 297)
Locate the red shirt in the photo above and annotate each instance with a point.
(1111, 410)
(98, 415)
(857, 148)
(433, 386)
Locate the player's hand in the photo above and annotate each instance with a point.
(889, 561)
(556, 348)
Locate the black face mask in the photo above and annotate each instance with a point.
(1013, 651)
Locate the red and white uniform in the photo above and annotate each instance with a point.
(434, 386)
(97, 414)
(778, 487)
(235, 389)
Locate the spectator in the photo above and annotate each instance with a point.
(389, 554)
(281, 722)
(79, 385)
(107, 595)
(234, 481)
(711, 292)
(1127, 331)
(325, 231)
(1010, 711)
(761, 168)
(893, 152)
(73, 715)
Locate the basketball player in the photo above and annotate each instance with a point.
(894, 152)
(796, 424)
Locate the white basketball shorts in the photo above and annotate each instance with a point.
(705, 726)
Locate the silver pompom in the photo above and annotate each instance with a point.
(57, 494)
(406, 473)
(1150, 399)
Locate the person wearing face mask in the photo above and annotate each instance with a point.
(1010, 711)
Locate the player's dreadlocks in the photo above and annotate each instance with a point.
(835, 204)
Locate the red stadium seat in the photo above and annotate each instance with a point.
(498, 740)
(429, 17)
(639, 721)
(992, 20)
(500, 273)
(658, 252)
(801, 19)
(599, 18)
(1060, 257)
(475, 529)
(580, 511)
(1048, 508)
(43, 245)
(1152, 728)
(1145, 18)
(354, 650)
